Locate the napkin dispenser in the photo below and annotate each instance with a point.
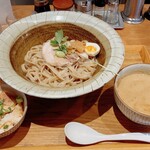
(132, 12)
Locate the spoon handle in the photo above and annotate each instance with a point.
(144, 137)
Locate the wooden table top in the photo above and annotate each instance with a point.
(43, 127)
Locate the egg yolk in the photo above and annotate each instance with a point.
(90, 48)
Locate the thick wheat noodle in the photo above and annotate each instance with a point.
(37, 70)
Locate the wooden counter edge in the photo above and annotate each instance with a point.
(100, 146)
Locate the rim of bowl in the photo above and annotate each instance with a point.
(115, 88)
(114, 64)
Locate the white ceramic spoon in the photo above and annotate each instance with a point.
(81, 134)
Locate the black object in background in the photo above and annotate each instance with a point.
(147, 1)
(99, 3)
(147, 14)
(41, 5)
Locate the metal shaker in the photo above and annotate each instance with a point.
(133, 11)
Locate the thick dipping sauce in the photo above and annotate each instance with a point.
(134, 90)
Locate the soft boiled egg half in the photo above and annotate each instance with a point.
(92, 49)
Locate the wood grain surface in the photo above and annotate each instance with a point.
(43, 127)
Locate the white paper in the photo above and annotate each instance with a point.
(5, 10)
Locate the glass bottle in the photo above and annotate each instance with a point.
(41, 6)
(84, 6)
(63, 5)
(112, 16)
(99, 8)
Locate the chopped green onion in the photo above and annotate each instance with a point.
(19, 99)
(1, 101)
(60, 54)
(7, 110)
(5, 126)
(1, 112)
(1, 107)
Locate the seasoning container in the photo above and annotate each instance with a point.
(63, 5)
(133, 11)
(112, 16)
(84, 6)
(99, 9)
(41, 6)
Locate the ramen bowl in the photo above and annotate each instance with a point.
(131, 91)
(19, 37)
(17, 119)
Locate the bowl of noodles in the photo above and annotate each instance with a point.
(59, 54)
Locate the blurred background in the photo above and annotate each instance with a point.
(146, 1)
(25, 2)
(29, 2)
